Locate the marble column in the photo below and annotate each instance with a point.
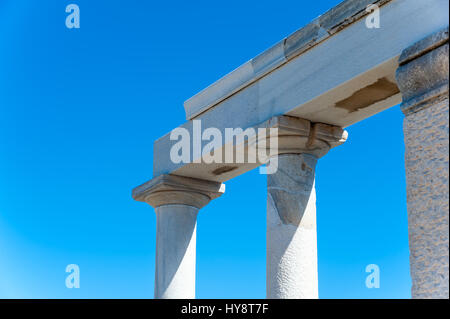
(177, 201)
(291, 208)
(423, 77)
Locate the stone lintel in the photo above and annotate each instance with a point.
(423, 74)
(320, 29)
(171, 190)
(340, 81)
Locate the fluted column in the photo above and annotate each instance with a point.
(177, 201)
(423, 81)
(291, 208)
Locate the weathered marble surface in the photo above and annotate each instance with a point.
(423, 79)
(291, 229)
(427, 173)
(424, 72)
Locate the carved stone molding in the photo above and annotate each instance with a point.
(172, 190)
(300, 136)
(424, 72)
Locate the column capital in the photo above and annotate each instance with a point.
(170, 189)
(300, 136)
(422, 76)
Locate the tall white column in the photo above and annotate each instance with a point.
(423, 80)
(177, 201)
(291, 208)
(291, 229)
(175, 251)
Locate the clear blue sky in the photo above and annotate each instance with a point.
(79, 111)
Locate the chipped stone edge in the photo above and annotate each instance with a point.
(320, 29)
(424, 46)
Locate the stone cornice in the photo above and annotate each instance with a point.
(172, 190)
(423, 75)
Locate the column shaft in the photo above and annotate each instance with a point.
(426, 139)
(175, 251)
(423, 80)
(291, 229)
(177, 200)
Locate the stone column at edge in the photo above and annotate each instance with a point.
(423, 80)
